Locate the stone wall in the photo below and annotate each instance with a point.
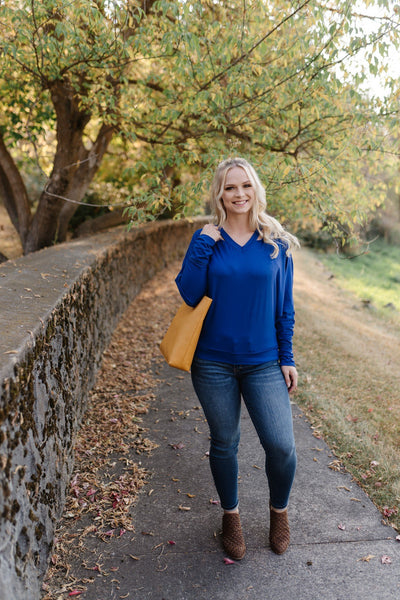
(58, 309)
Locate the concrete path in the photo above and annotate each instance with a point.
(338, 539)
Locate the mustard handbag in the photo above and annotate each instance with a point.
(179, 343)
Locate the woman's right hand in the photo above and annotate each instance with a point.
(212, 231)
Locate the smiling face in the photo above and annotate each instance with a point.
(238, 195)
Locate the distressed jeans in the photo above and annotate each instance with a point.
(220, 387)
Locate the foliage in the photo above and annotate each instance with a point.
(177, 86)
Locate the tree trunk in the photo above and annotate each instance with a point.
(13, 191)
(73, 170)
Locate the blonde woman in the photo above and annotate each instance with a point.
(243, 262)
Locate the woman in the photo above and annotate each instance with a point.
(243, 263)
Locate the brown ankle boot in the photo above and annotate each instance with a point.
(279, 532)
(232, 536)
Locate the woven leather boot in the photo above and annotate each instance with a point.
(279, 532)
(232, 536)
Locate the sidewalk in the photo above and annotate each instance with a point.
(338, 539)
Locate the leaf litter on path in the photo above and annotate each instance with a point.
(108, 474)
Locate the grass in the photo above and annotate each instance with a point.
(374, 276)
(348, 357)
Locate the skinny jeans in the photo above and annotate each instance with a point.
(219, 388)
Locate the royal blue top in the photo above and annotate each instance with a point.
(251, 318)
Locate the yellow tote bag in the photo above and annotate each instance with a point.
(179, 343)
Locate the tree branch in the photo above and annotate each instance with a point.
(246, 54)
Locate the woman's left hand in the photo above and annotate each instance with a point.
(290, 375)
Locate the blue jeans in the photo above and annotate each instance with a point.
(219, 387)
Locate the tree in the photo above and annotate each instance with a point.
(177, 85)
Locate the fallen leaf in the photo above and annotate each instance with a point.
(335, 465)
(229, 561)
(171, 543)
(366, 558)
(214, 501)
(191, 495)
(388, 512)
(75, 593)
(398, 538)
(341, 527)
(109, 533)
(177, 446)
(386, 560)
(183, 507)
(351, 419)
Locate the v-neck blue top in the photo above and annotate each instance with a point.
(251, 318)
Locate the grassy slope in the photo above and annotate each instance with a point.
(374, 276)
(348, 358)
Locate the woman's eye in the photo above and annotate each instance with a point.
(229, 188)
(247, 185)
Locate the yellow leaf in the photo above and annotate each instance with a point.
(366, 558)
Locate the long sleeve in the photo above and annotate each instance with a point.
(284, 321)
(251, 318)
(192, 278)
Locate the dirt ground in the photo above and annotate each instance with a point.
(348, 360)
(336, 333)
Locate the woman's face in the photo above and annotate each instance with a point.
(239, 194)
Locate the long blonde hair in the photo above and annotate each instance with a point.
(269, 228)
